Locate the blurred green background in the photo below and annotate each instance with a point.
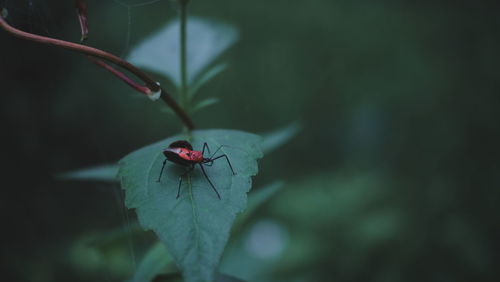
(394, 175)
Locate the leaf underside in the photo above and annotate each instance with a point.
(195, 227)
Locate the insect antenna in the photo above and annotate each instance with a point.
(218, 149)
(205, 146)
(227, 159)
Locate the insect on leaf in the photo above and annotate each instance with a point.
(195, 227)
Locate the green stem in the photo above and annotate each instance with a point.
(185, 102)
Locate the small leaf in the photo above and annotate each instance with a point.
(206, 77)
(153, 263)
(105, 173)
(195, 227)
(168, 111)
(221, 277)
(205, 103)
(260, 196)
(275, 139)
(206, 40)
(4, 13)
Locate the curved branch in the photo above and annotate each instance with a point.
(97, 53)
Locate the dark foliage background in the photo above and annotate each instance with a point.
(394, 176)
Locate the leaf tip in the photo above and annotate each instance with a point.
(4, 13)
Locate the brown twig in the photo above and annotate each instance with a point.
(97, 53)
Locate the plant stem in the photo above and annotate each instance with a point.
(97, 53)
(185, 102)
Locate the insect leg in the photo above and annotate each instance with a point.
(227, 159)
(179, 189)
(162, 167)
(208, 179)
(205, 145)
(180, 180)
(220, 147)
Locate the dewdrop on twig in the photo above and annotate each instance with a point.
(154, 95)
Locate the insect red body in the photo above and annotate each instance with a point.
(183, 156)
(182, 153)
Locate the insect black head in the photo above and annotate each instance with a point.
(181, 144)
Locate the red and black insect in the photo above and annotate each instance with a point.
(181, 152)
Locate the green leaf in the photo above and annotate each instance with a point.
(260, 196)
(153, 263)
(205, 103)
(175, 277)
(108, 172)
(257, 198)
(168, 111)
(4, 13)
(206, 77)
(221, 277)
(236, 257)
(105, 173)
(273, 140)
(195, 227)
(206, 40)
